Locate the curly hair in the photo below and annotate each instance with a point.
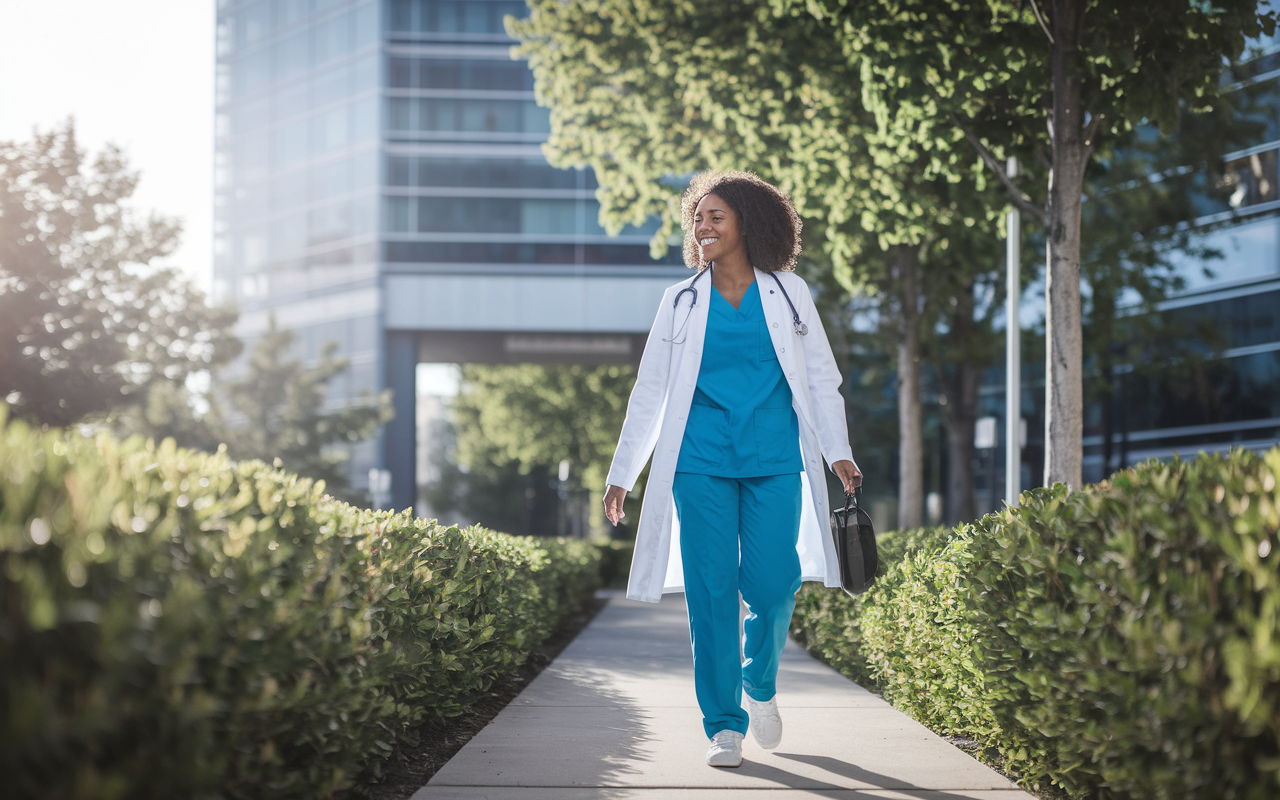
(767, 219)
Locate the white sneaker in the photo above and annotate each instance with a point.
(766, 723)
(725, 750)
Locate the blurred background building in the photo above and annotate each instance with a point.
(379, 183)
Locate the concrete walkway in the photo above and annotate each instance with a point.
(615, 718)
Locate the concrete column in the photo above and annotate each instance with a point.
(400, 436)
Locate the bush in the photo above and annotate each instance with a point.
(1120, 641)
(615, 561)
(174, 624)
(829, 622)
(570, 576)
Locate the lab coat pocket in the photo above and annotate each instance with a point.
(705, 435)
(777, 437)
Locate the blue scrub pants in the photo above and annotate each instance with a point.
(737, 535)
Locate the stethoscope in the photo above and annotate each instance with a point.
(799, 327)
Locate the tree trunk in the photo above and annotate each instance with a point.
(1064, 390)
(962, 413)
(906, 270)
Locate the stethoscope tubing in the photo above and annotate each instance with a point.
(799, 327)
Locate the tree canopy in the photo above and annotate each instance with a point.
(86, 324)
(276, 409)
(1050, 81)
(533, 416)
(649, 92)
(538, 414)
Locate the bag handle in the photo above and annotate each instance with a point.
(851, 499)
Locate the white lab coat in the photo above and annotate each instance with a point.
(660, 403)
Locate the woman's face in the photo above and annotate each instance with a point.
(715, 227)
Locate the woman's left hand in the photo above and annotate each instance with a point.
(848, 474)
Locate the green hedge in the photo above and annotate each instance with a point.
(1122, 641)
(173, 624)
(615, 561)
(829, 623)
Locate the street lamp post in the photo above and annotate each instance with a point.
(1013, 353)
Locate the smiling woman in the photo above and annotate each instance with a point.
(738, 404)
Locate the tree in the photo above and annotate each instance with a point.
(1049, 79)
(539, 415)
(638, 92)
(962, 343)
(86, 325)
(276, 410)
(510, 496)
(172, 410)
(273, 408)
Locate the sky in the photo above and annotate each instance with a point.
(138, 73)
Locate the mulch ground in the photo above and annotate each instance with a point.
(409, 768)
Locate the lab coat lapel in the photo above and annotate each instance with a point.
(777, 315)
(687, 356)
(698, 323)
(657, 562)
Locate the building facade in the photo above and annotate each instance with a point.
(380, 183)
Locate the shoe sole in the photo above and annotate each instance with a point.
(725, 766)
(762, 745)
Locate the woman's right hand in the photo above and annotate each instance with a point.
(613, 498)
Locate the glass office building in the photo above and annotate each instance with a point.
(380, 183)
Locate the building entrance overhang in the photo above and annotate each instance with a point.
(528, 304)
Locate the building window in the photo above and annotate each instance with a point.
(454, 16)
(300, 50)
(446, 73)
(468, 116)
(485, 173)
(1252, 179)
(539, 217)
(525, 253)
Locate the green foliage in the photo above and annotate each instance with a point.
(533, 416)
(570, 575)
(829, 623)
(175, 624)
(637, 91)
(1114, 642)
(85, 324)
(938, 70)
(538, 414)
(615, 561)
(919, 644)
(279, 406)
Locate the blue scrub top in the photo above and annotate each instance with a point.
(741, 423)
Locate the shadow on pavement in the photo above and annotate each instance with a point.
(856, 773)
(594, 743)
